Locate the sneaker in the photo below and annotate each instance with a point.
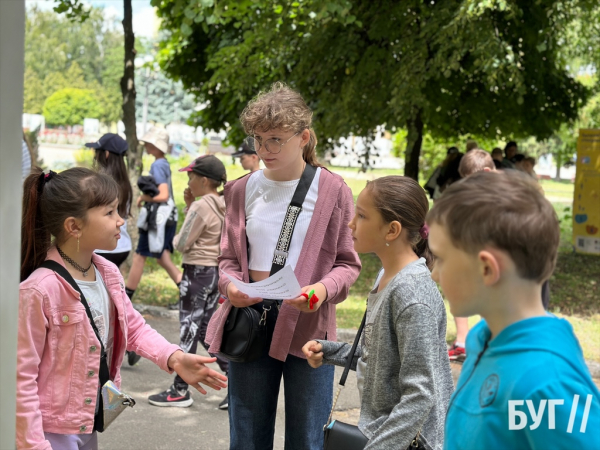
(224, 404)
(457, 353)
(172, 397)
(133, 358)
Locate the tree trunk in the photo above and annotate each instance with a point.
(558, 161)
(414, 141)
(134, 155)
(128, 92)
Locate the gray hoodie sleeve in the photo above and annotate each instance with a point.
(415, 329)
(337, 353)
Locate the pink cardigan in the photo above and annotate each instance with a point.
(58, 354)
(327, 256)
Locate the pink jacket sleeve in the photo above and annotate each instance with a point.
(347, 264)
(145, 340)
(228, 260)
(33, 326)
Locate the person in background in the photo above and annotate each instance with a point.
(528, 165)
(156, 141)
(431, 186)
(475, 161)
(449, 173)
(109, 158)
(471, 145)
(510, 150)
(248, 157)
(199, 241)
(497, 157)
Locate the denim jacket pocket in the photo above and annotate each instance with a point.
(67, 324)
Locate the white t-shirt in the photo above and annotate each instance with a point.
(123, 244)
(266, 205)
(102, 310)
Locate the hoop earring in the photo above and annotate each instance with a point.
(77, 244)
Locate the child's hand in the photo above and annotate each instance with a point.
(314, 354)
(188, 197)
(238, 298)
(139, 201)
(301, 303)
(192, 370)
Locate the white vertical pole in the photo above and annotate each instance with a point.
(12, 36)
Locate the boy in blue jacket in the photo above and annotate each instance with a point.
(524, 383)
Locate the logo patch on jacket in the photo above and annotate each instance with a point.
(488, 391)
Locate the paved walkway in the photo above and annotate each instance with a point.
(202, 426)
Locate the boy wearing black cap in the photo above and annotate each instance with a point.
(248, 158)
(199, 242)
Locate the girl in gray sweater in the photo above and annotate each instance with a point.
(402, 358)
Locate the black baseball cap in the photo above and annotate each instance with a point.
(208, 166)
(110, 142)
(244, 149)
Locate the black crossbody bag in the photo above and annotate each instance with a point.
(245, 334)
(109, 408)
(343, 436)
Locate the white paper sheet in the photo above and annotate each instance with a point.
(281, 286)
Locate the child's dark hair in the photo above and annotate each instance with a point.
(402, 199)
(114, 165)
(49, 199)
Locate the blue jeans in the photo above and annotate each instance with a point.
(253, 392)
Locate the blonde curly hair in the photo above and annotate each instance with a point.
(283, 108)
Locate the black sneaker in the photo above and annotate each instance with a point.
(172, 397)
(133, 358)
(224, 404)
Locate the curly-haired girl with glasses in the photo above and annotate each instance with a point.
(322, 256)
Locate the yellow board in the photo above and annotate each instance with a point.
(586, 201)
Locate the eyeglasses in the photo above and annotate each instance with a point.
(272, 145)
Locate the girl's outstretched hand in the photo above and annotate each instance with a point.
(191, 368)
(314, 354)
(301, 302)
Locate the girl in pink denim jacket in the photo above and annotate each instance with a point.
(58, 356)
(322, 257)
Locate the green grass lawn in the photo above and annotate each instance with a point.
(574, 287)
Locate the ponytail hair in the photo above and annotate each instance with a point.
(114, 166)
(49, 199)
(402, 199)
(283, 108)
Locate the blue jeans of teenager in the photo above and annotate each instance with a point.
(253, 392)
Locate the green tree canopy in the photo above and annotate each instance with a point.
(60, 53)
(492, 68)
(70, 106)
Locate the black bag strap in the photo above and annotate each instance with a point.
(353, 351)
(291, 217)
(104, 374)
